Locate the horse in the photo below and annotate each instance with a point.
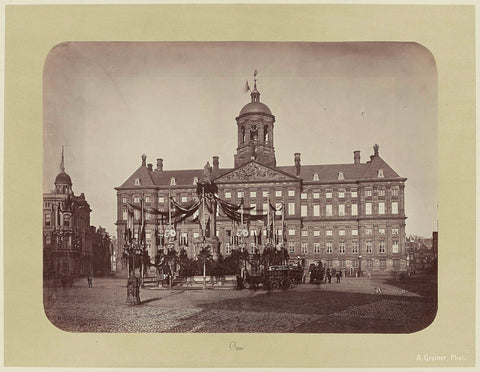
(254, 280)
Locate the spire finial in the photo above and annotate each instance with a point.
(62, 163)
(255, 94)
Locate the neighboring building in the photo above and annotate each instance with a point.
(102, 251)
(422, 253)
(67, 239)
(351, 216)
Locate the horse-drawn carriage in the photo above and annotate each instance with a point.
(317, 273)
(274, 277)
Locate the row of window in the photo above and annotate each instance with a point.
(342, 264)
(329, 233)
(304, 210)
(342, 247)
(278, 193)
(64, 220)
(329, 211)
(148, 199)
(329, 248)
(340, 176)
(368, 263)
(173, 181)
(315, 194)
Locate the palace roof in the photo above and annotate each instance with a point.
(326, 173)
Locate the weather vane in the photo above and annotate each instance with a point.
(247, 87)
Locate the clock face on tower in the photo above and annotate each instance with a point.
(254, 126)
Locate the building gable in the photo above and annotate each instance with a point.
(378, 164)
(254, 172)
(143, 175)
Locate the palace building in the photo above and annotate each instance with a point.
(351, 216)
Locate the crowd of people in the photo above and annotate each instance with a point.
(321, 273)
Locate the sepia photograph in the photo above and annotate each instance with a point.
(240, 187)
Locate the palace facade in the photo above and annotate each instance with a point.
(351, 216)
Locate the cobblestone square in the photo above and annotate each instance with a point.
(353, 306)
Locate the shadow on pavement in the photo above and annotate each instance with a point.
(425, 286)
(334, 310)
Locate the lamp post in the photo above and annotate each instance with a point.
(359, 265)
(131, 250)
(242, 246)
(203, 247)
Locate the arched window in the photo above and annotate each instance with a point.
(265, 134)
(253, 134)
(243, 134)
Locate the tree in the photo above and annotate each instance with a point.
(218, 269)
(101, 252)
(187, 267)
(235, 262)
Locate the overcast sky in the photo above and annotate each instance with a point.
(110, 102)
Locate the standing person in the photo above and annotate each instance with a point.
(329, 275)
(90, 281)
(338, 276)
(239, 283)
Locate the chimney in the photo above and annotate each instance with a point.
(159, 165)
(356, 157)
(144, 160)
(297, 164)
(215, 163)
(150, 167)
(375, 150)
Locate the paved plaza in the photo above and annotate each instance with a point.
(356, 305)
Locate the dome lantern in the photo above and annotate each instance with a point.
(255, 131)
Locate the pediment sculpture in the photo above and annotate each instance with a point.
(253, 172)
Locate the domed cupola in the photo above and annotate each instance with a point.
(63, 182)
(63, 178)
(255, 107)
(255, 131)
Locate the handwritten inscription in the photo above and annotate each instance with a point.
(233, 346)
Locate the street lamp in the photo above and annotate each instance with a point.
(203, 247)
(131, 250)
(359, 265)
(242, 245)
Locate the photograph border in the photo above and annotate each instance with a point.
(31, 31)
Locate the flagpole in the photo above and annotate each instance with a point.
(274, 233)
(241, 213)
(169, 209)
(233, 234)
(128, 238)
(204, 230)
(283, 226)
(268, 218)
(143, 242)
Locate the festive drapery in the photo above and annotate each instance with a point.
(179, 212)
